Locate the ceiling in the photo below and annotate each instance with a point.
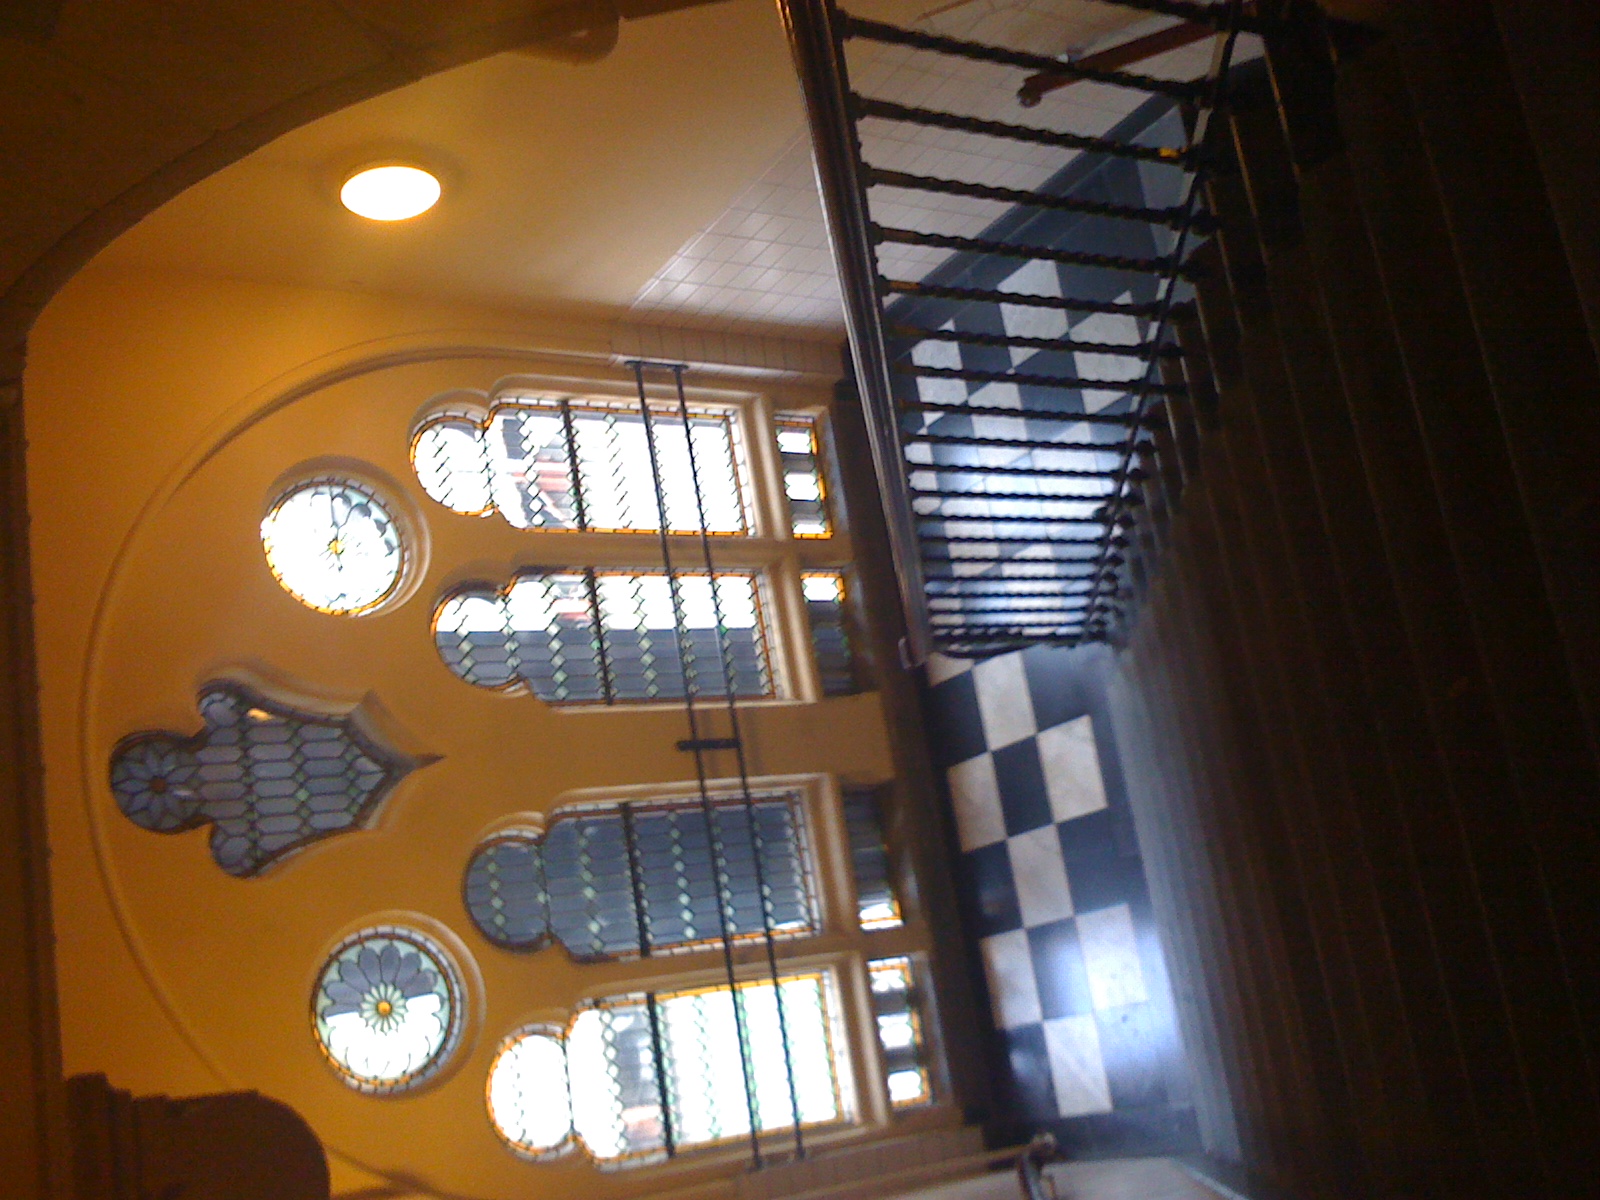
(671, 178)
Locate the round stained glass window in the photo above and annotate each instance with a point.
(333, 546)
(529, 1104)
(387, 1009)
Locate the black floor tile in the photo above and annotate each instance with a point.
(1027, 1087)
(1059, 971)
(1103, 880)
(990, 890)
(1023, 800)
(1092, 836)
(955, 726)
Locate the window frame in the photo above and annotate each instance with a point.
(840, 947)
(770, 547)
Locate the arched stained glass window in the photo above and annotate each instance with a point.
(530, 1103)
(452, 465)
(551, 463)
(598, 636)
(387, 1009)
(647, 1074)
(604, 875)
(505, 891)
(333, 546)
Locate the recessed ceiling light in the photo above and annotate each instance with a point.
(391, 193)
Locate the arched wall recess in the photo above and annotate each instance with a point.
(190, 598)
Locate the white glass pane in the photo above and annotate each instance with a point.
(452, 466)
(333, 546)
(701, 1041)
(386, 1009)
(527, 1094)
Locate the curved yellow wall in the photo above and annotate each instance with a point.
(162, 411)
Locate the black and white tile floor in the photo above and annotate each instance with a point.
(1055, 891)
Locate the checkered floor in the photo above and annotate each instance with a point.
(1055, 891)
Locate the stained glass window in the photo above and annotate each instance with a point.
(830, 636)
(899, 1031)
(270, 778)
(596, 636)
(877, 906)
(387, 1009)
(530, 1104)
(333, 546)
(799, 457)
(626, 1107)
(546, 463)
(604, 875)
(505, 891)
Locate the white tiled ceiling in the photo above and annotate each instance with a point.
(766, 259)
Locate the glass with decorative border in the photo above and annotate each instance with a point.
(334, 546)
(387, 1010)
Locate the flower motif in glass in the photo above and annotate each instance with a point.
(387, 1009)
(333, 546)
(154, 778)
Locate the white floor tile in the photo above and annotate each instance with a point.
(976, 797)
(1013, 990)
(941, 668)
(1003, 700)
(1040, 875)
(1111, 957)
(1071, 769)
(1076, 1067)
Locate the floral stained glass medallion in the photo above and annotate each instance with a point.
(333, 546)
(387, 1009)
(269, 778)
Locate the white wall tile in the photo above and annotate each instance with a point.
(1003, 700)
(1077, 1068)
(1013, 991)
(1041, 877)
(1071, 769)
(1111, 958)
(976, 798)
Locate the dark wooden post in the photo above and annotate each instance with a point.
(32, 1121)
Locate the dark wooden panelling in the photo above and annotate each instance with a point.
(1355, 700)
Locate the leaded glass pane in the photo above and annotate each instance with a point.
(269, 778)
(333, 546)
(899, 1031)
(799, 457)
(877, 906)
(830, 637)
(452, 465)
(607, 636)
(529, 1102)
(387, 1009)
(598, 902)
(704, 1076)
(546, 463)
(616, 1101)
(505, 891)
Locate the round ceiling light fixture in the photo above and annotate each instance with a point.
(393, 192)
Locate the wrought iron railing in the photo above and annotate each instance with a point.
(1011, 460)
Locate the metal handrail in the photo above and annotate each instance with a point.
(816, 43)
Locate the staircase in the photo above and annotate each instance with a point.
(1014, 292)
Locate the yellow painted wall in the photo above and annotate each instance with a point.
(162, 411)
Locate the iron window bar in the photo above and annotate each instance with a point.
(698, 744)
(907, 435)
